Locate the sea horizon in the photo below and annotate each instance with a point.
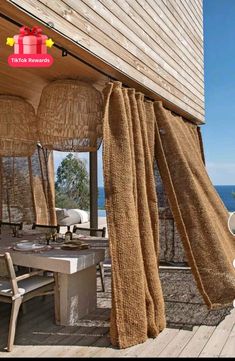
(224, 191)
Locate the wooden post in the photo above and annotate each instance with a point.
(93, 191)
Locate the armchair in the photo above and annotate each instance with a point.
(18, 289)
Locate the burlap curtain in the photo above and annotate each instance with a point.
(132, 216)
(27, 188)
(200, 215)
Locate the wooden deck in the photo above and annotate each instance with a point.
(192, 330)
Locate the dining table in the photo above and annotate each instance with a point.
(74, 272)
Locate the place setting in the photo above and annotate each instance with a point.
(30, 246)
(42, 244)
(75, 244)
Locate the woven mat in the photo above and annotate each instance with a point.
(184, 304)
(185, 307)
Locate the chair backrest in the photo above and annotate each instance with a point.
(46, 228)
(12, 226)
(98, 232)
(96, 244)
(7, 271)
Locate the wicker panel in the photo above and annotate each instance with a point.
(70, 116)
(171, 247)
(17, 202)
(18, 128)
(27, 188)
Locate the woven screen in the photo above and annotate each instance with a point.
(18, 131)
(27, 188)
(200, 215)
(132, 216)
(70, 116)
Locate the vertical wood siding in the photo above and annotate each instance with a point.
(158, 43)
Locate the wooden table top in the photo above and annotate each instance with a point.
(53, 259)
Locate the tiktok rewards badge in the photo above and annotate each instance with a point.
(30, 49)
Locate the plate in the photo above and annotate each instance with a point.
(33, 247)
(71, 246)
(92, 238)
(24, 244)
(74, 241)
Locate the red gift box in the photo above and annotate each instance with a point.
(30, 41)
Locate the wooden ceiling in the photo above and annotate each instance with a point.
(29, 82)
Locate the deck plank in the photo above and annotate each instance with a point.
(219, 337)
(174, 348)
(159, 343)
(197, 342)
(229, 347)
(38, 336)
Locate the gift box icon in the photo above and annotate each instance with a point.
(30, 41)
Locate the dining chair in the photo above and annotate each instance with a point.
(19, 289)
(98, 232)
(14, 226)
(46, 227)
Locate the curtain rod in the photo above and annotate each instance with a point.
(66, 52)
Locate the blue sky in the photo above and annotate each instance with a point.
(219, 131)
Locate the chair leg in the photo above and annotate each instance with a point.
(13, 321)
(24, 308)
(101, 269)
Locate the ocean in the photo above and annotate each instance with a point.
(101, 202)
(225, 193)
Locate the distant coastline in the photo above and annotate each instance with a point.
(101, 202)
(225, 193)
(101, 198)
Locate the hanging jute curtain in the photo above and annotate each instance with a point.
(200, 215)
(18, 127)
(27, 188)
(132, 216)
(70, 116)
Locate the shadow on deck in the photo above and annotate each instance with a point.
(184, 309)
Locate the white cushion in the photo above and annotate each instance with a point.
(61, 213)
(83, 214)
(69, 217)
(25, 286)
(73, 217)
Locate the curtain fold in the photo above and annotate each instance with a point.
(132, 216)
(200, 215)
(27, 188)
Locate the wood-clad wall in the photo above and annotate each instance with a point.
(157, 43)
